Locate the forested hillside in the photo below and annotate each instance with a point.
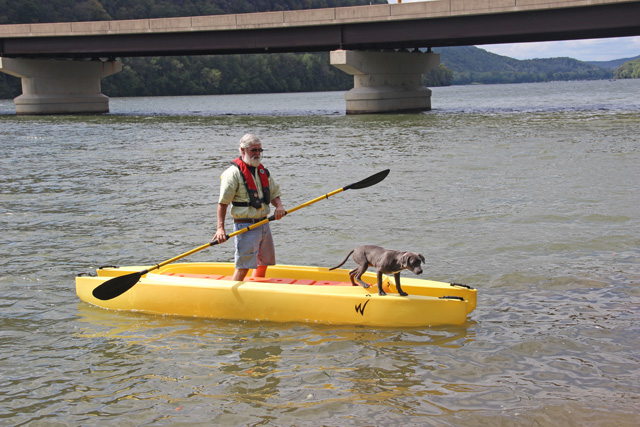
(628, 70)
(214, 75)
(473, 65)
(614, 64)
(267, 73)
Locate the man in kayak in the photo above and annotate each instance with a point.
(249, 188)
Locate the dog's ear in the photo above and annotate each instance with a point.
(404, 260)
(422, 258)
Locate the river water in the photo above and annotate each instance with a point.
(527, 192)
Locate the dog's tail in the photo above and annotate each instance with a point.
(345, 260)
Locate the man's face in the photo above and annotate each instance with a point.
(252, 155)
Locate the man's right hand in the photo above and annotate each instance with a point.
(221, 236)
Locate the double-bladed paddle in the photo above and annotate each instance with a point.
(121, 284)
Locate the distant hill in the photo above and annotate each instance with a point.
(612, 65)
(474, 65)
(470, 58)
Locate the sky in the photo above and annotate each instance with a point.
(583, 50)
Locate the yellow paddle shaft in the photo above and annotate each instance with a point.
(317, 199)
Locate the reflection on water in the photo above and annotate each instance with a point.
(249, 363)
(138, 328)
(527, 192)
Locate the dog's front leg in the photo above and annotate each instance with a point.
(380, 290)
(400, 291)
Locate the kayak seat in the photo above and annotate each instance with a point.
(269, 280)
(196, 276)
(331, 283)
(285, 281)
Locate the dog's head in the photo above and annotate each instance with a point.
(411, 261)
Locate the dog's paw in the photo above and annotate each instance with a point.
(404, 294)
(381, 293)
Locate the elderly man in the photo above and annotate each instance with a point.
(249, 188)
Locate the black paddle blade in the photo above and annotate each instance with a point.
(368, 182)
(116, 286)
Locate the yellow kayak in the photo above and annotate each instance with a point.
(288, 294)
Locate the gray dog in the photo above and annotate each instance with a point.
(385, 262)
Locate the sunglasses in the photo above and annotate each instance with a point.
(256, 150)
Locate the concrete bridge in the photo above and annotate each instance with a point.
(61, 64)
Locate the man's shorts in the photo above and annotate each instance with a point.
(254, 247)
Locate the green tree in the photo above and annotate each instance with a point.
(439, 76)
(628, 70)
(210, 78)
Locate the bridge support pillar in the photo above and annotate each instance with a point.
(386, 82)
(60, 86)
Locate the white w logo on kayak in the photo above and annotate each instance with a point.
(360, 308)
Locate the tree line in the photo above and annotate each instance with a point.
(215, 75)
(228, 74)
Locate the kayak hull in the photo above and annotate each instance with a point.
(290, 294)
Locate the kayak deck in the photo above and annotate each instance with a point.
(288, 294)
(283, 280)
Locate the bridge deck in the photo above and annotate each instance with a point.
(294, 18)
(378, 27)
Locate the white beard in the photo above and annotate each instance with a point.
(252, 161)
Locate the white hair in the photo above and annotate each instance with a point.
(248, 140)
